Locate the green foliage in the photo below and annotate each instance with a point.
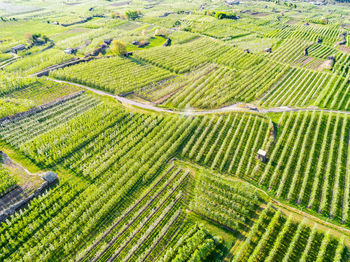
(225, 15)
(10, 83)
(11, 106)
(230, 204)
(37, 62)
(307, 149)
(122, 194)
(118, 48)
(221, 15)
(132, 15)
(113, 74)
(273, 238)
(291, 5)
(6, 180)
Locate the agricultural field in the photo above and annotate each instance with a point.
(174, 130)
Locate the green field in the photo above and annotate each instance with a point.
(177, 130)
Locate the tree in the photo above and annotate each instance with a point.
(224, 15)
(45, 38)
(132, 15)
(118, 48)
(177, 23)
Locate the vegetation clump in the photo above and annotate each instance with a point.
(222, 15)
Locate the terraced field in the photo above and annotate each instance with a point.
(174, 131)
(309, 164)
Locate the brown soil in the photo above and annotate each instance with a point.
(121, 3)
(293, 22)
(27, 183)
(328, 64)
(260, 14)
(345, 49)
(307, 60)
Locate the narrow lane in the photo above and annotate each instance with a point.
(232, 108)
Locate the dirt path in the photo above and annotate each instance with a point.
(239, 107)
(232, 108)
(27, 182)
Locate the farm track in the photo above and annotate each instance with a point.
(232, 108)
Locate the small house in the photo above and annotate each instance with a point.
(232, 2)
(39, 41)
(50, 177)
(268, 50)
(262, 155)
(69, 51)
(128, 54)
(17, 48)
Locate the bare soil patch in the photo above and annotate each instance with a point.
(27, 183)
(121, 3)
(345, 49)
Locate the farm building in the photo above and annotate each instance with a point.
(268, 50)
(262, 155)
(39, 41)
(69, 51)
(50, 177)
(232, 2)
(17, 48)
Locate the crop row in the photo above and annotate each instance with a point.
(43, 91)
(19, 131)
(300, 87)
(139, 226)
(6, 180)
(182, 58)
(228, 143)
(321, 51)
(231, 204)
(342, 64)
(290, 50)
(116, 75)
(69, 225)
(194, 244)
(10, 83)
(34, 63)
(309, 32)
(275, 237)
(309, 165)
